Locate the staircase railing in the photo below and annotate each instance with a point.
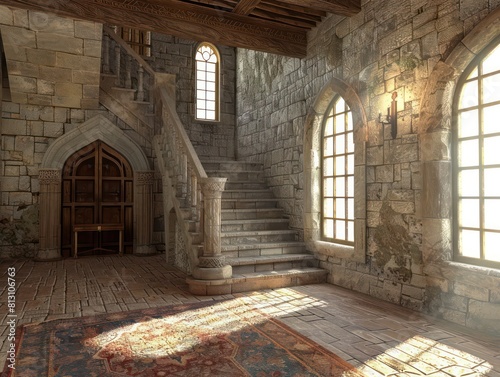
(183, 175)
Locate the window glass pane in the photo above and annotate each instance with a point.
(350, 186)
(200, 114)
(492, 182)
(473, 74)
(340, 165)
(328, 167)
(328, 147)
(328, 228)
(468, 97)
(329, 126)
(201, 85)
(210, 115)
(200, 94)
(340, 144)
(340, 230)
(468, 182)
(339, 123)
(211, 86)
(491, 89)
(492, 62)
(349, 121)
(350, 231)
(213, 59)
(200, 104)
(340, 106)
(350, 142)
(328, 208)
(491, 119)
(470, 243)
(350, 209)
(468, 124)
(350, 164)
(469, 213)
(491, 249)
(328, 187)
(211, 67)
(468, 153)
(340, 186)
(340, 208)
(210, 76)
(492, 150)
(491, 214)
(210, 105)
(201, 66)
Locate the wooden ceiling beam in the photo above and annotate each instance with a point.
(189, 21)
(341, 7)
(292, 7)
(245, 7)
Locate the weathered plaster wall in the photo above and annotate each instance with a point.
(389, 46)
(174, 55)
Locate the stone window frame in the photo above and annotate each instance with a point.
(435, 126)
(312, 173)
(217, 84)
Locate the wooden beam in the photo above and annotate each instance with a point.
(185, 20)
(245, 7)
(341, 7)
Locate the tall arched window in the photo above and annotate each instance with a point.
(477, 161)
(338, 174)
(207, 82)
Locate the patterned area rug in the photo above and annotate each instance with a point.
(214, 339)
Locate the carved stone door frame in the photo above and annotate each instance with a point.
(50, 178)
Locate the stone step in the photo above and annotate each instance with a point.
(247, 194)
(245, 185)
(246, 175)
(258, 280)
(250, 214)
(259, 224)
(259, 236)
(271, 263)
(231, 165)
(248, 203)
(263, 249)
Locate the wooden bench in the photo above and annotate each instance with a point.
(98, 228)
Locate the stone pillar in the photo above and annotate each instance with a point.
(212, 264)
(143, 213)
(49, 215)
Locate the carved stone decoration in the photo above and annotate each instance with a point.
(143, 228)
(181, 260)
(49, 215)
(211, 265)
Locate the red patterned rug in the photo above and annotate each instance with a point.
(213, 339)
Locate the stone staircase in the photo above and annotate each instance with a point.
(256, 239)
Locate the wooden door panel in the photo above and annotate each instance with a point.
(97, 189)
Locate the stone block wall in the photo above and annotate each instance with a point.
(389, 46)
(176, 56)
(53, 66)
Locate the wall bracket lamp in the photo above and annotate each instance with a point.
(392, 116)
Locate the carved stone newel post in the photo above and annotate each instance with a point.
(49, 215)
(143, 224)
(212, 263)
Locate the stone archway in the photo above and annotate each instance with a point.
(312, 172)
(97, 128)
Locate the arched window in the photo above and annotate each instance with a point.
(477, 161)
(338, 174)
(207, 82)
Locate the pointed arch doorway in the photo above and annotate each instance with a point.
(97, 188)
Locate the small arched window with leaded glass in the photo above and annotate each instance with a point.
(338, 174)
(477, 161)
(207, 82)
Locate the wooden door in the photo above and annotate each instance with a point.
(97, 188)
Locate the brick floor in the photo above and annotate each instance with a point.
(379, 338)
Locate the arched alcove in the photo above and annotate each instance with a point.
(97, 128)
(312, 171)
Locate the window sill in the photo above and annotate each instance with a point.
(450, 269)
(334, 249)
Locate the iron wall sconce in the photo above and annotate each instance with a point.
(392, 116)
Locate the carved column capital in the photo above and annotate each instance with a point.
(212, 188)
(145, 177)
(49, 176)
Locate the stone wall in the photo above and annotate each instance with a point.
(389, 46)
(54, 69)
(176, 56)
